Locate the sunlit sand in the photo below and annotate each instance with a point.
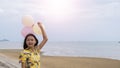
(59, 61)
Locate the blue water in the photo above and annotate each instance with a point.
(104, 49)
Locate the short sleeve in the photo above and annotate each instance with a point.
(22, 57)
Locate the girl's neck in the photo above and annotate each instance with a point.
(32, 49)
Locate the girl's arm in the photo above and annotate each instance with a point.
(43, 35)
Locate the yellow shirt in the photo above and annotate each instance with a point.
(31, 59)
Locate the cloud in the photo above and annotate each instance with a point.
(105, 1)
(13, 7)
(108, 10)
(1, 10)
(89, 8)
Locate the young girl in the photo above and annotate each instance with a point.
(30, 56)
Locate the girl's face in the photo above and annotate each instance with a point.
(30, 41)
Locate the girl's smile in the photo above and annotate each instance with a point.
(30, 41)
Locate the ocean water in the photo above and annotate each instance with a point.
(101, 49)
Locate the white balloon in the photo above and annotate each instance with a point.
(27, 20)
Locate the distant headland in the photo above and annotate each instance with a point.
(3, 40)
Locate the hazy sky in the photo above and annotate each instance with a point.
(64, 20)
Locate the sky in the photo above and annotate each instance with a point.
(64, 20)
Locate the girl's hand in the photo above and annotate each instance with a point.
(40, 24)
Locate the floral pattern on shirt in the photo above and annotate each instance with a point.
(31, 59)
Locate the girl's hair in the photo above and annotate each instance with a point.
(25, 45)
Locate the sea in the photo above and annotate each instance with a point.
(98, 49)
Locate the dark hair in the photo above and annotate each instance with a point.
(25, 45)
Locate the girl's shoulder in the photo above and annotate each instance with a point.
(36, 48)
(25, 51)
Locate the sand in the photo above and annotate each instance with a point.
(11, 56)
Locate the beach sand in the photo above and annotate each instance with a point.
(11, 55)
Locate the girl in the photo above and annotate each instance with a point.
(29, 57)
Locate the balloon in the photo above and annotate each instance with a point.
(27, 20)
(27, 30)
(36, 29)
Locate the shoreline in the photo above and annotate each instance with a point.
(61, 61)
(17, 51)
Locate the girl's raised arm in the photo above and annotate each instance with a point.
(43, 35)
